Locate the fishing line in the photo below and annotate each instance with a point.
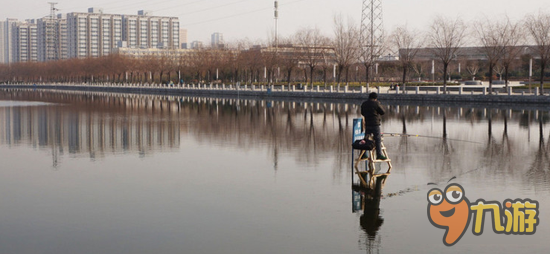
(423, 136)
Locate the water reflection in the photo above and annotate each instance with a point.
(480, 146)
(96, 128)
(100, 123)
(366, 200)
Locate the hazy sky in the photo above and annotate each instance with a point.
(253, 19)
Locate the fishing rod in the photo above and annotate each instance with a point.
(424, 136)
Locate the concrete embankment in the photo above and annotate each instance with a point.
(419, 98)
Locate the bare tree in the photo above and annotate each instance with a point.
(312, 45)
(326, 63)
(419, 68)
(499, 69)
(472, 67)
(407, 43)
(513, 34)
(446, 37)
(490, 34)
(236, 63)
(289, 56)
(345, 45)
(539, 28)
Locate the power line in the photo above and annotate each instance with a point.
(239, 14)
(211, 8)
(139, 5)
(160, 2)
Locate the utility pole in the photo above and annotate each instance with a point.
(276, 15)
(372, 31)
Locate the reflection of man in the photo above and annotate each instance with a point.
(371, 221)
(371, 111)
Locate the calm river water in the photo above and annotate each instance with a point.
(117, 173)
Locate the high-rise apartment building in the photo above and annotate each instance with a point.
(196, 44)
(86, 34)
(52, 34)
(144, 31)
(183, 38)
(7, 42)
(24, 41)
(92, 34)
(3, 43)
(217, 40)
(46, 39)
(62, 46)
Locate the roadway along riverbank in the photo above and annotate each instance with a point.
(456, 96)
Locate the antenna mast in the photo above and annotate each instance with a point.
(276, 24)
(52, 9)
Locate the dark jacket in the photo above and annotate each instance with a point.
(371, 111)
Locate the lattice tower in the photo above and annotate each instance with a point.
(51, 34)
(372, 30)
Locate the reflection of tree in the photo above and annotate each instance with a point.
(506, 151)
(342, 143)
(445, 147)
(311, 133)
(271, 120)
(403, 142)
(492, 149)
(538, 171)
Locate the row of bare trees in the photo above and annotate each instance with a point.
(309, 56)
(500, 42)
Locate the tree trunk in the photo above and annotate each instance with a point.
(339, 76)
(311, 68)
(491, 65)
(542, 68)
(347, 75)
(325, 76)
(367, 73)
(445, 66)
(404, 77)
(289, 73)
(506, 76)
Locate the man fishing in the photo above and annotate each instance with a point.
(371, 110)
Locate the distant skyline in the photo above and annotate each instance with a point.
(253, 19)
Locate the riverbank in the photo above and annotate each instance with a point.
(456, 94)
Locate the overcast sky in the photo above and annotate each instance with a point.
(253, 19)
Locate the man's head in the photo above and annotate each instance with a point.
(373, 96)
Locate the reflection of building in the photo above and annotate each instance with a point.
(309, 131)
(96, 133)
